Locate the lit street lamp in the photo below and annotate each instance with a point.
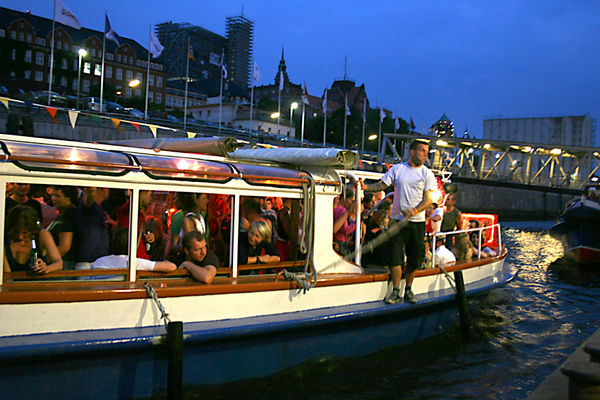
(293, 106)
(82, 53)
(134, 83)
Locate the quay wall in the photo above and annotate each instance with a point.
(509, 203)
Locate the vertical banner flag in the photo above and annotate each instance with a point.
(397, 123)
(224, 70)
(381, 114)
(305, 95)
(280, 81)
(346, 104)
(63, 15)
(191, 53)
(256, 74)
(109, 33)
(412, 124)
(325, 103)
(155, 47)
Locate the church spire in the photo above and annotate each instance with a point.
(282, 68)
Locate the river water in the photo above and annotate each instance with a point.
(520, 335)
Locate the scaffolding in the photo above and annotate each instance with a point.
(240, 39)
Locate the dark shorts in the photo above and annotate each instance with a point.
(409, 241)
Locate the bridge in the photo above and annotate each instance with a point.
(532, 166)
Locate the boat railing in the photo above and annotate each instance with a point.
(481, 231)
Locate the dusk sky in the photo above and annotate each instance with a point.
(469, 59)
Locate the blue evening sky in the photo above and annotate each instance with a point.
(468, 59)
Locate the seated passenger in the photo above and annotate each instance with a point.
(119, 244)
(200, 261)
(26, 246)
(474, 237)
(380, 219)
(62, 228)
(442, 255)
(253, 242)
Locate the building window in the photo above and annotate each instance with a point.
(97, 70)
(87, 67)
(2, 33)
(75, 64)
(39, 76)
(27, 74)
(93, 52)
(85, 86)
(110, 56)
(13, 54)
(108, 72)
(63, 81)
(39, 58)
(150, 96)
(64, 63)
(118, 58)
(21, 36)
(66, 47)
(28, 56)
(128, 92)
(159, 81)
(150, 80)
(13, 35)
(29, 38)
(40, 41)
(99, 53)
(119, 74)
(129, 75)
(138, 93)
(59, 44)
(158, 98)
(74, 84)
(140, 77)
(205, 74)
(130, 60)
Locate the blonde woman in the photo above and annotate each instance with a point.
(255, 245)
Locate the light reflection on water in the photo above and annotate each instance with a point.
(520, 335)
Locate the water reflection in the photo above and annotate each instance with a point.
(520, 335)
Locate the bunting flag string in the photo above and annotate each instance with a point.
(73, 117)
(52, 112)
(191, 135)
(135, 125)
(4, 101)
(153, 129)
(115, 122)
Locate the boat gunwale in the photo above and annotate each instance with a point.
(81, 291)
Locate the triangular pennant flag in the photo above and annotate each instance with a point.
(4, 101)
(73, 117)
(29, 105)
(52, 112)
(191, 135)
(115, 122)
(94, 117)
(135, 125)
(153, 129)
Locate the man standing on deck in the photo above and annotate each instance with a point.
(414, 185)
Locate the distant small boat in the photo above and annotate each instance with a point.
(578, 227)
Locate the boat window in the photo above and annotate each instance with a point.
(270, 228)
(255, 174)
(63, 232)
(184, 168)
(72, 159)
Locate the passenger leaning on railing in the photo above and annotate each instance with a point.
(255, 242)
(26, 246)
(200, 260)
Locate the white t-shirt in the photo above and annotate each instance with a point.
(444, 256)
(410, 186)
(121, 261)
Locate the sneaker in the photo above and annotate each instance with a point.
(409, 296)
(394, 297)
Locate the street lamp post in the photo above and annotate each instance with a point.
(82, 53)
(293, 106)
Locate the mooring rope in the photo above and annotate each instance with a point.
(152, 294)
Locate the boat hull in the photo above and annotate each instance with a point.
(578, 229)
(132, 362)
